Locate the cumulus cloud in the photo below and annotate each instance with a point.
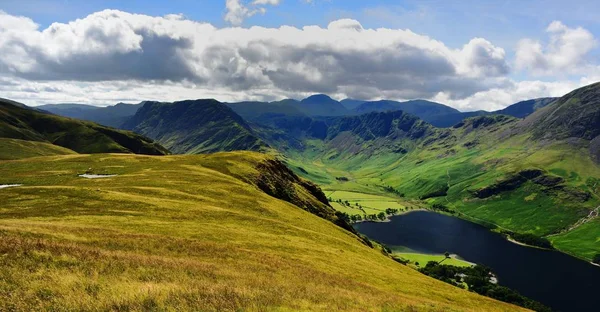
(237, 11)
(343, 58)
(565, 53)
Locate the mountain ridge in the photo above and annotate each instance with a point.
(194, 126)
(21, 122)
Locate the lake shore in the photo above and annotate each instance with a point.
(388, 217)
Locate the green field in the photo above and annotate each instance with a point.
(423, 259)
(371, 204)
(189, 233)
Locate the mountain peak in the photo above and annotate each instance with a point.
(318, 97)
(195, 126)
(322, 105)
(575, 115)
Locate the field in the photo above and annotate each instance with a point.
(188, 233)
(423, 259)
(369, 204)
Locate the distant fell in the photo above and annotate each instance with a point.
(23, 123)
(195, 127)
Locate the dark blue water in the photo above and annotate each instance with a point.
(557, 280)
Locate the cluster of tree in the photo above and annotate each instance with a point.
(370, 217)
(391, 211)
(390, 189)
(356, 218)
(529, 239)
(376, 217)
(441, 207)
(342, 179)
(443, 191)
(478, 279)
(596, 259)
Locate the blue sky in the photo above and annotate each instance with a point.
(452, 21)
(504, 25)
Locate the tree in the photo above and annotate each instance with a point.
(446, 256)
(381, 216)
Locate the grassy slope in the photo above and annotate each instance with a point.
(11, 149)
(187, 232)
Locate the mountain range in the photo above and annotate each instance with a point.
(318, 105)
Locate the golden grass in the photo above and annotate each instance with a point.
(188, 233)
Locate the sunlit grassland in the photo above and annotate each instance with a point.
(371, 204)
(423, 259)
(11, 149)
(187, 233)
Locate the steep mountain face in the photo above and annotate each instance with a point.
(112, 116)
(349, 136)
(265, 111)
(525, 108)
(194, 127)
(322, 105)
(426, 110)
(18, 122)
(394, 125)
(575, 115)
(421, 108)
(449, 120)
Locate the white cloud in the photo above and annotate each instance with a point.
(237, 11)
(263, 2)
(564, 54)
(343, 58)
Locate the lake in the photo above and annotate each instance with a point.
(557, 280)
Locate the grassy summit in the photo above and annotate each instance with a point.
(191, 233)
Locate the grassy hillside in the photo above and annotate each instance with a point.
(194, 127)
(11, 149)
(189, 233)
(19, 122)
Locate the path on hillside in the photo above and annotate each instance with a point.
(591, 216)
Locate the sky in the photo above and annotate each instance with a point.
(467, 54)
